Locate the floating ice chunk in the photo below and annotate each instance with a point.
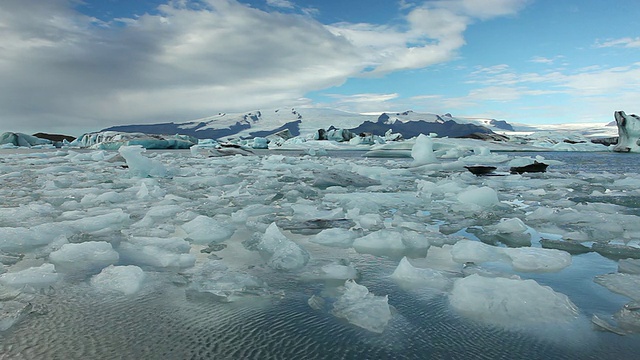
(156, 252)
(283, 253)
(205, 230)
(512, 232)
(530, 259)
(38, 277)
(509, 226)
(89, 256)
(407, 274)
(336, 237)
(623, 284)
(362, 308)
(422, 151)
(483, 196)
(382, 242)
(510, 302)
(123, 279)
(140, 165)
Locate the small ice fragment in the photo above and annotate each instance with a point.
(483, 196)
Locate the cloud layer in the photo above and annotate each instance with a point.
(62, 70)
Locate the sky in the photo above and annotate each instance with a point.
(74, 66)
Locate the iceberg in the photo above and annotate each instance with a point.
(113, 140)
(628, 132)
(23, 140)
(139, 165)
(422, 151)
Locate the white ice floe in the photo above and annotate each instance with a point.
(123, 279)
(407, 274)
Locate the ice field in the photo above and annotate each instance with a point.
(172, 254)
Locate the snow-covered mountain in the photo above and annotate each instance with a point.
(308, 120)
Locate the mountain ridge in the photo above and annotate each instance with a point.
(260, 123)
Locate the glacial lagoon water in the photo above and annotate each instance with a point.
(590, 194)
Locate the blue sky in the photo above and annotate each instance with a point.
(74, 66)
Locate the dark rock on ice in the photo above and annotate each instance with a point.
(479, 170)
(536, 167)
(485, 137)
(55, 138)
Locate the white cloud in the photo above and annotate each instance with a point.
(285, 4)
(483, 9)
(626, 42)
(541, 60)
(363, 98)
(62, 70)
